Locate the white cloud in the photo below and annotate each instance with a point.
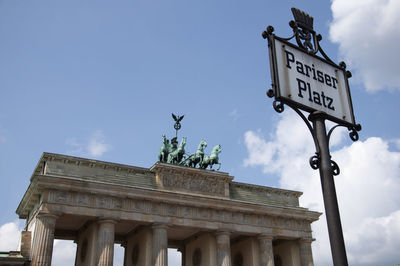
(10, 234)
(95, 147)
(174, 257)
(375, 238)
(397, 143)
(367, 188)
(368, 35)
(63, 253)
(119, 254)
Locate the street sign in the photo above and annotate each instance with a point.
(304, 81)
(309, 82)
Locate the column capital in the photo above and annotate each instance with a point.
(106, 220)
(223, 232)
(265, 237)
(306, 240)
(160, 226)
(47, 215)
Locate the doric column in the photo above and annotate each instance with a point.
(223, 248)
(306, 258)
(105, 242)
(160, 245)
(43, 239)
(266, 250)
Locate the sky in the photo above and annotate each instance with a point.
(100, 79)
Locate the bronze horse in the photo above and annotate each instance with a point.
(175, 157)
(210, 160)
(197, 158)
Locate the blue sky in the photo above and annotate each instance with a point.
(100, 79)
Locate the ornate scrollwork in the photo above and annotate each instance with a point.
(353, 134)
(278, 106)
(335, 168)
(303, 31)
(314, 162)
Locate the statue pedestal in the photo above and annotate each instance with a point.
(191, 180)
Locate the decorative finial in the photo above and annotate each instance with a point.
(303, 29)
(177, 124)
(303, 19)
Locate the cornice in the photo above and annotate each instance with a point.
(184, 199)
(73, 160)
(259, 188)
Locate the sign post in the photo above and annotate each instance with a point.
(307, 82)
(329, 192)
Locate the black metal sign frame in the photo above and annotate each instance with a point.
(276, 84)
(308, 42)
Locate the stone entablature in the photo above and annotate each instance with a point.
(168, 211)
(159, 177)
(154, 206)
(74, 185)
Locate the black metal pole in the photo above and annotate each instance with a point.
(329, 192)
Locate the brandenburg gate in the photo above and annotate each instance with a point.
(209, 218)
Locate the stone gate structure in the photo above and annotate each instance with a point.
(212, 220)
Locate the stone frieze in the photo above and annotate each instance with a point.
(79, 199)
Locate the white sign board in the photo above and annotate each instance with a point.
(311, 82)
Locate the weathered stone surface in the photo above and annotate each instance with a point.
(266, 250)
(42, 249)
(186, 179)
(306, 258)
(174, 203)
(160, 245)
(105, 243)
(223, 248)
(26, 239)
